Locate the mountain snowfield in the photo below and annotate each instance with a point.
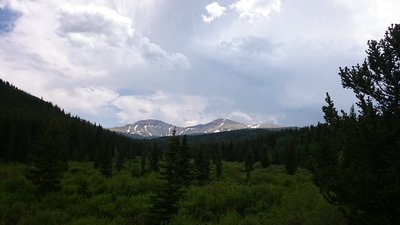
(157, 128)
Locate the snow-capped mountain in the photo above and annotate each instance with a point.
(157, 128)
(147, 128)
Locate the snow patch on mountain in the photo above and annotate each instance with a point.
(157, 128)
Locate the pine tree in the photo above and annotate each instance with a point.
(202, 165)
(248, 161)
(290, 159)
(106, 164)
(175, 165)
(154, 158)
(105, 159)
(184, 168)
(264, 160)
(218, 161)
(357, 165)
(120, 159)
(48, 168)
(143, 163)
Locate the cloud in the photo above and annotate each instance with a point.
(240, 116)
(95, 22)
(252, 118)
(254, 9)
(214, 10)
(115, 61)
(247, 46)
(182, 110)
(250, 56)
(299, 97)
(80, 55)
(101, 28)
(154, 54)
(90, 100)
(84, 40)
(247, 9)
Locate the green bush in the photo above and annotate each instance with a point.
(270, 197)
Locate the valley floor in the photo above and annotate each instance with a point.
(87, 197)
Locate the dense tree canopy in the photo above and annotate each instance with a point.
(24, 120)
(358, 165)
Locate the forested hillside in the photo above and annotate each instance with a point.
(26, 121)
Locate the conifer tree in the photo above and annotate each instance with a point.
(143, 163)
(290, 159)
(120, 159)
(202, 165)
(357, 165)
(218, 162)
(104, 161)
(48, 168)
(248, 161)
(185, 167)
(154, 158)
(264, 160)
(173, 166)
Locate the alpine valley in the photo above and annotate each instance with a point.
(157, 128)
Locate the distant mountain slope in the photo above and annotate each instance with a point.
(157, 128)
(25, 120)
(147, 128)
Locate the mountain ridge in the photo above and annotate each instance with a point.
(158, 128)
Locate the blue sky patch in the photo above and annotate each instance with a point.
(7, 19)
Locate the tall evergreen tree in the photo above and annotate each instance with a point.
(104, 158)
(264, 160)
(218, 161)
(143, 163)
(120, 159)
(106, 162)
(185, 167)
(154, 158)
(290, 159)
(357, 166)
(248, 161)
(202, 165)
(175, 164)
(48, 168)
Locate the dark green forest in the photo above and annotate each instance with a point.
(56, 168)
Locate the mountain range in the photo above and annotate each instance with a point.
(157, 128)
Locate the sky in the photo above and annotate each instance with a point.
(189, 62)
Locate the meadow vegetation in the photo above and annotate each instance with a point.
(270, 196)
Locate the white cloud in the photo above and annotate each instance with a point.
(95, 22)
(253, 9)
(91, 100)
(214, 10)
(249, 119)
(182, 110)
(79, 52)
(76, 54)
(98, 28)
(81, 41)
(300, 97)
(240, 117)
(247, 47)
(154, 54)
(370, 18)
